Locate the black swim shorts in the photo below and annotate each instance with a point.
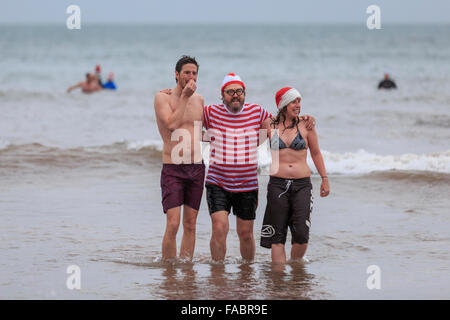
(244, 204)
(289, 204)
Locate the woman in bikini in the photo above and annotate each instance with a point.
(289, 192)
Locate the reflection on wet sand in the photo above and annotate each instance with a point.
(288, 281)
(185, 280)
(179, 281)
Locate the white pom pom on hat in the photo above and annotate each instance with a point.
(285, 96)
(231, 78)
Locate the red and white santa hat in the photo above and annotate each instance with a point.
(231, 78)
(285, 96)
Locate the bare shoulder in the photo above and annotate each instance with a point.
(161, 96)
(197, 97)
(161, 99)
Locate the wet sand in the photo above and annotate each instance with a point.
(108, 220)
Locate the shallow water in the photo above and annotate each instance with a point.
(112, 229)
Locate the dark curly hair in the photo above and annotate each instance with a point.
(281, 118)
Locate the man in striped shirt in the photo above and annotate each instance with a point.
(231, 182)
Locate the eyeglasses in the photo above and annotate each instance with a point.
(231, 92)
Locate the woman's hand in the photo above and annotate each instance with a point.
(324, 187)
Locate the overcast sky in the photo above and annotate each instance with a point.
(224, 11)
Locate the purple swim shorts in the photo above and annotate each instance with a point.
(182, 184)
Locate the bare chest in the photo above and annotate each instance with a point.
(193, 111)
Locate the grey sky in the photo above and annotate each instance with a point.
(229, 11)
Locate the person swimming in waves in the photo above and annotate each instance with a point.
(110, 84)
(90, 85)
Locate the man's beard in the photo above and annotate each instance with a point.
(233, 107)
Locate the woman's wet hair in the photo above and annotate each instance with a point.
(281, 118)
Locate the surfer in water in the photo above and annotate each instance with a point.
(387, 83)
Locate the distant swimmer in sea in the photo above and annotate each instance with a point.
(387, 83)
(289, 192)
(98, 73)
(109, 84)
(90, 85)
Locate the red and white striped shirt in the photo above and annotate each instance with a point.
(233, 163)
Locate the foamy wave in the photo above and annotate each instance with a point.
(144, 144)
(362, 162)
(116, 147)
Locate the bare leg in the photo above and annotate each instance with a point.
(298, 251)
(189, 227)
(220, 227)
(169, 245)
(278, 253)
(244, 230)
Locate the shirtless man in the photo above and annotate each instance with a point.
(90, 85)
(179, 119)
